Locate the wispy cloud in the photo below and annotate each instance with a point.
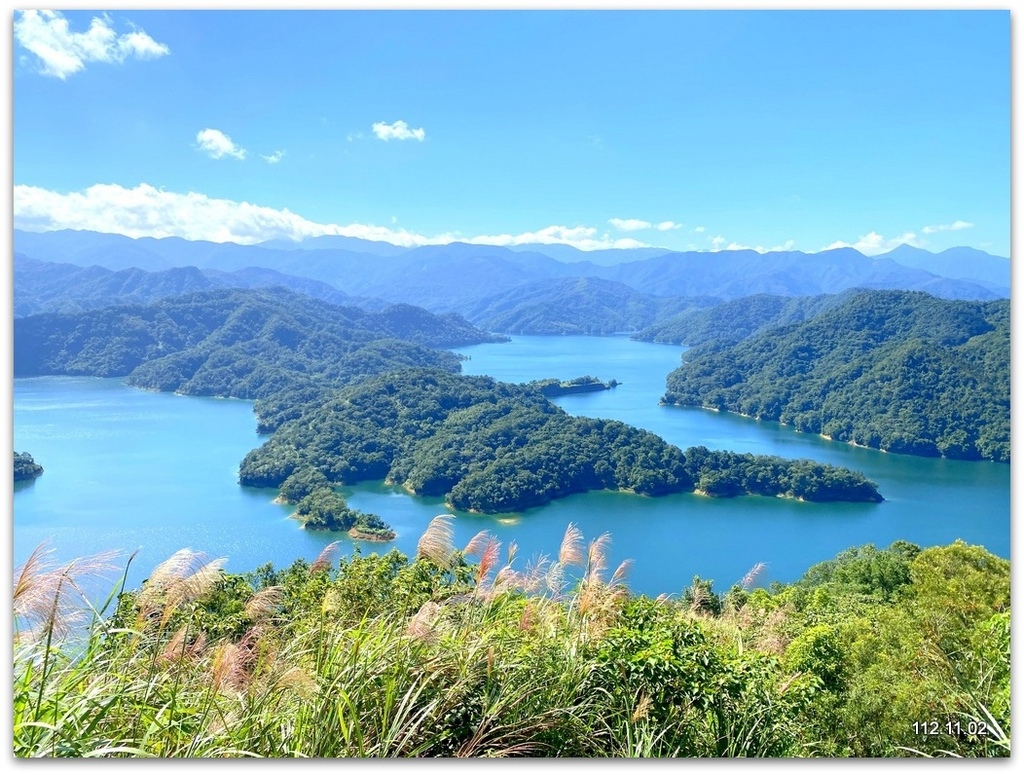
(59, 52)
(273, 158)
(720, 243)
(217, 144)
(955, 226)
(636, 224)
(582, 237)
(873, 243)
(398, 131)
(629, 224)
(145, 211)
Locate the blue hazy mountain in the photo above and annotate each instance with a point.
(457, 276)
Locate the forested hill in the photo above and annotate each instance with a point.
(45, 286)
(898, 371)
(734, 320)
(456, 276)
(576, 305)
(496, 447)
(241, 343)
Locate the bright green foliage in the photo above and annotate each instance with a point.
(819, 650)
(386, 656)
(737, 319)
(902, 636)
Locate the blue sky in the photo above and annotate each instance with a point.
(681, 129)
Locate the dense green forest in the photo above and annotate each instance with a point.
(357, 395)
(576, 305)
(469, 652)
(239, 343)
(25, 467)
(734, 320)
(496, 447)
(44, 286)
(895, 370)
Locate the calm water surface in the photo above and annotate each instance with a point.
(130, 469)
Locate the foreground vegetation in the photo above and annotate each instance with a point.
(898, 652)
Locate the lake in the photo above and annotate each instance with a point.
(135, 470)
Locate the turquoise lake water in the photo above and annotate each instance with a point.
(134, 470)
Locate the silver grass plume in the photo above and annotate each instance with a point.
(49, 598)
(571, 551)
(325, 559)
(436, 542)
(264, 603)
(477, 543)
(597, 557)
(750, 579)
(618, 578)
(181, 579)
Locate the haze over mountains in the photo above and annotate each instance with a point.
(525, 289)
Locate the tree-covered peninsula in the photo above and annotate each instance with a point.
(899, 371)
(351, 395)
(493, 447)
(737, 319)
(239, 343)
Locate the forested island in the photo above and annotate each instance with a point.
(495, 447)
(585, 384)
(25, 467)
(899, 371)
(271, 344)
(351, 395)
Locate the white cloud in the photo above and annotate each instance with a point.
(217, 144)
(398, 131)
(955, 226)
(145, 211)
(273, 158)
(629, 224)
(61, 52)
(873, 243)
(721, 243)
(635, 224)
(699, 229)
(582, 237)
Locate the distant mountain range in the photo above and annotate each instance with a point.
(526, 289)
